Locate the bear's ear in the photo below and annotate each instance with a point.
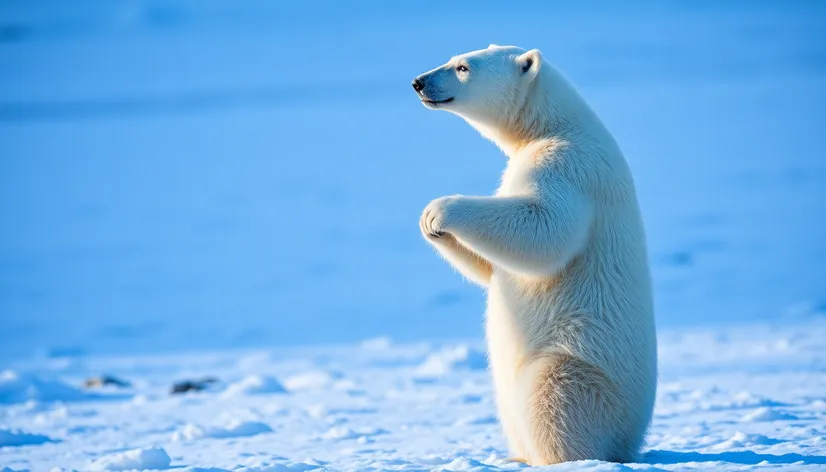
(530, 63)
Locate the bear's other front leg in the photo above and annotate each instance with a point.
(526, 235)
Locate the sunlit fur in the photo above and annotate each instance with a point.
(561, 250)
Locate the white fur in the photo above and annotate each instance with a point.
(561, 250)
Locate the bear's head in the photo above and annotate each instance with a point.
(481, 86)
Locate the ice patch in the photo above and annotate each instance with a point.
(450, 359)
(233, 429)
(140, 459)
(18, 388)
(254, 385)
(16, 437)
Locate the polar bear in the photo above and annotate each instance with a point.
(561, 250)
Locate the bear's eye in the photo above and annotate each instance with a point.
(461, 68)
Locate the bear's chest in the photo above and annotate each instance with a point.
(519, 178)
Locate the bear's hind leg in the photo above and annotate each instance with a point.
(572, 411)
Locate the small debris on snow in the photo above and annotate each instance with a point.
(105, 381)
(185, 386)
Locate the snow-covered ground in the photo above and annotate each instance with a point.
(729, 399)
(182, 183)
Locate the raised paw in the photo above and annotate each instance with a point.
(434, 220)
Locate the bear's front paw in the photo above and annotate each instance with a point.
(435, 220)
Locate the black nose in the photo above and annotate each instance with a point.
(417, 85)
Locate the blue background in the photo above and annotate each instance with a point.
(203, 174)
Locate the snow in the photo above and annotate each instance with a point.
(311, 380)
(363, 435)
(16, 437)
(730, 398)
(254, 385)
(449, 360)
(233, 429)
(220, 189)
(767, 414)
(148, 458)
(16, 388)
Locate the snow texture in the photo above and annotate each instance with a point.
(233, 429)
(448, 360)
(16, 388)
(16, 437)
(730, 398)
(140, 459)
(254, 385)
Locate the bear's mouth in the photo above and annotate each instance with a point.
(436, 102)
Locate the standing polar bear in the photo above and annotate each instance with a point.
(561, 251)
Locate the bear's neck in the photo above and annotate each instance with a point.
(541, 117)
